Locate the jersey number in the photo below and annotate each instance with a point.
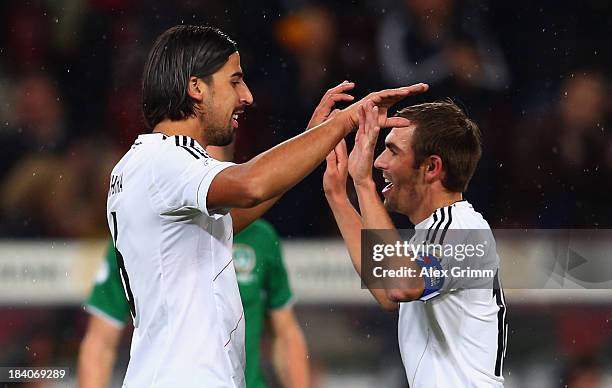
(122, 271)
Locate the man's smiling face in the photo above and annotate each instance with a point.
(228, 96)
(404, 190)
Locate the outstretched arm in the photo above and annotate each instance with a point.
(348, 220)
(241, 218)
(277, 170)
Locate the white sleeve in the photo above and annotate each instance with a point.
(182, 176)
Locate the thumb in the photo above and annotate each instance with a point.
(341, 152)
(331, 158)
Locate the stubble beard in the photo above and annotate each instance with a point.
(219, 136)
(404, 200)
(216, 134)
(388, 205)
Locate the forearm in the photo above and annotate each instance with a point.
(96, 360)
(350, 225)
(375, 217)
(373, 212)
(283, 166)
(241, 218)
(291, 359)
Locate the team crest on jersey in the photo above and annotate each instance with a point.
(244, 262)
(435, 251)
(103, 272)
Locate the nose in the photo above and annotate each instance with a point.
(246, 98)
(379, 163)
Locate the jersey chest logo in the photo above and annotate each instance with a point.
(244, 262)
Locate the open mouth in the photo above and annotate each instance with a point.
(388, 187)
(235, 119)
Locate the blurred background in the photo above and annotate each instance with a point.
(535, 75)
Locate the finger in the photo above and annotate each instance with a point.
(341, 153)
(343, 149)
(361, 129)
(388, 97)
(331, 160)
(369, 110)
(341, 97)
(341, 88)
(396, 122)
(404, 90)
(416, 88)
(332, 99)
(329, 101)
(372, 124)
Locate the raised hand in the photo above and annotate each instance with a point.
(385, 99)
(362, 156)
(323, 111)
(336, 173)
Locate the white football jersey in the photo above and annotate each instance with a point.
(455, 337)
(175, 261)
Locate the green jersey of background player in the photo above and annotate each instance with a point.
(264, 288)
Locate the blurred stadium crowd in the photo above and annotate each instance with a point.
(534, 75)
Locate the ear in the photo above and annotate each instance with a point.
(434, 168)
(196, 88)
